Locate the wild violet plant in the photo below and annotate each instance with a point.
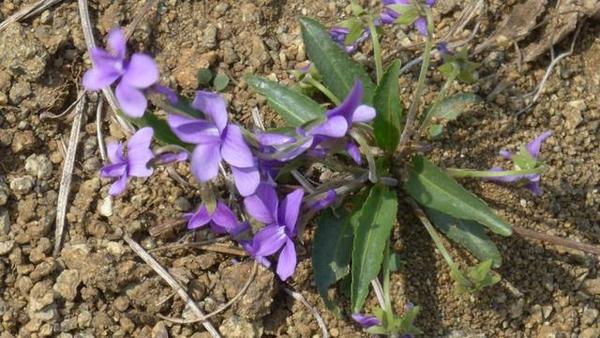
(358, 137)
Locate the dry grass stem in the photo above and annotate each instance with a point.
(26, 12)
(298, 296)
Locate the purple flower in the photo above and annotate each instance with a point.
(171, 156)
(533, 149)
(389, 16)
(365, 321)
(136, 74)
(134, 164)
(339, 34)
(324, 202)
(280, 229)
(216, 140)
(222, 219)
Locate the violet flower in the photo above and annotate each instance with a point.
(222, 219)
(533, 149)
(339, 34)
(136, 74)
(389, 16)
(171, 157)
(365, 321)
(216, 140)
(280, 227)
(134, 164)
(324, 202)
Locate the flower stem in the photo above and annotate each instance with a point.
(425, 122)
(455, 172)
(323, 90)
(376, 50)
(386, 282)
(412, 112)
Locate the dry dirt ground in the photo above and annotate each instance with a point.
(97, 286)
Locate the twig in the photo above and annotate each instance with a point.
(189, 302)
(101, 145)
(222, 308)
(27, 12)
(67, 176)
(223, 249)
(49, 115)
(138, 18)
(190, 244)
(88, 35)
(298, 296)
(526, 233)
(553, 63)
(376, 284)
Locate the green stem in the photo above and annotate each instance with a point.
(441, 95)
(412, 112)
(386, 282)
(323, 90)
(437, 240)
(455, 172)
(376, 50)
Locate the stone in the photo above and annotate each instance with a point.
(589, 316)
(182, 204)
(6, 246)
(22, 185)
(188, 66)
(516, 309)
(21, 53)
(40, 296)
(105, 207)
(209, 36)
(67, 283)
(236, 327)
(23, 141)
(19, 92)
(592, 286)
(257, 300)
(4, 222)
(4, 192)
(573, 113)
(38, 166)
(590, 332)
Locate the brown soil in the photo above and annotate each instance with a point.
(98, 287)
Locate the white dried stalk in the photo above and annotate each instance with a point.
(298, 296)
(26, 12)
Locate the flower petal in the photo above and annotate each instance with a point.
(139, 152)
(534, 146)
(132, 100)
(269, 240)
(116, 41)
(199, 218)
(246, 179)
(99, 77)
(365, 321)
(167, 92)
(335, 126)
(535, 188)
(213, 106)
(119, 186)
(352, 101)
(141, 71)
(274, 139)
(286, 265)
(114, 151)
(354, 152)
(289, 209)
(324, 202)
(263, 204)
(194, 131)
(235, 150)
(421, 25)
(205, 162)
(364, 113)
(505, 154)
(224, 217)
(114, 170)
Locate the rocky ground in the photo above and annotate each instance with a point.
(97, 286)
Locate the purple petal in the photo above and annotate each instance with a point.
(352, 101)
(505, 154)
(139, 152)
(170, 157)
(246, 179)
(335, 126)
(99, 77)
(294, 152)
(325, 201)
(167, 92)
(534, 146)
(224, 217)
(263, 204)
(213, 106)
(240, 228)
(274, 139)
(199, 218)
(194, 131)
(535, 188)
(116, 42)
(114, 150)
(132, 100)
(119, 186)
(431, 3)
(205, 162)
(269, 240)
(114, 170)
(235, 150)
(354, 152)
(388, 16)
(141, 71)
(365, 321)
(289, 209)
(287, 260)
(363, 113)
(421, 25)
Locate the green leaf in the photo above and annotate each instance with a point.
(204, 77)
(338, 69)
(469, 234)
(523, 159)
(434, 189)
(395, 263)
(221, 82)
(448, 109)
(478, 277)
(294, 107)
(331, 251)
(162, 131)
(372, 230)
(389, 109)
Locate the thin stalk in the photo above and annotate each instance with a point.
(441, 95)
(412, 112)
(376, 50)
(323, 90)
(434, 235)
(386, 282)
(455, 172)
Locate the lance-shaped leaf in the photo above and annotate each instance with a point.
(469, 234)
(295, 107)
(372, 231)
(434, 189)
(448, 109)
(389, 109)
(331, 251)
(338, 69)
